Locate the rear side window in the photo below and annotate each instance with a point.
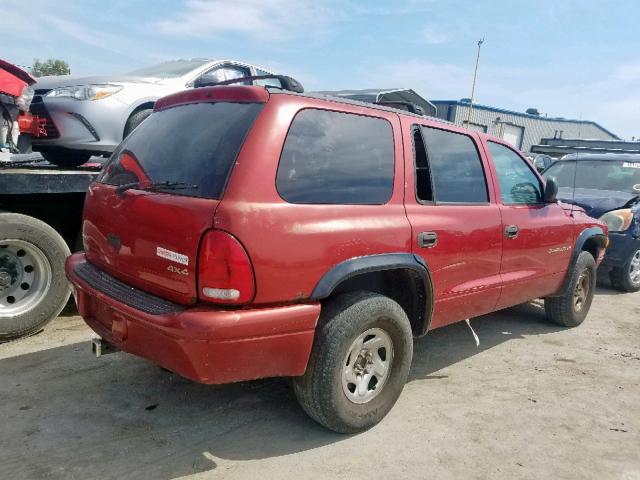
(336, 158)
(194, 144)
(455, 168)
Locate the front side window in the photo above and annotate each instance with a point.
(224, 73)
(452, 164)
(518, 184)
(268, 82)
(336, 158)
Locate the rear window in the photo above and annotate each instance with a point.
(195, 145)
(337, 158)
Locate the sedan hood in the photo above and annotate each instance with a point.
(596, 202)
(48, 83)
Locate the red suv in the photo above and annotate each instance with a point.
(244, 232)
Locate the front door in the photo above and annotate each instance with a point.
(537, 236)
(456, 227)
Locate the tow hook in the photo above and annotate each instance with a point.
(100, 347)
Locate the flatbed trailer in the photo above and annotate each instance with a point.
(40, 224)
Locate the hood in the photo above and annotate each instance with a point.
(48, 83)
(596, 202)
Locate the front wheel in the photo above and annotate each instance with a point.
(627, 277)
(571, 308)
(359, 362)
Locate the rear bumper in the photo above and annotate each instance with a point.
(621, 245)
(204, 344)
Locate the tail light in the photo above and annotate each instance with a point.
(225, 274)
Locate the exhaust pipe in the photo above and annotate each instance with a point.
(100, 347)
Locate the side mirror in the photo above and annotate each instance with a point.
(550, 190)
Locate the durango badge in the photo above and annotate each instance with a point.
(173, 256)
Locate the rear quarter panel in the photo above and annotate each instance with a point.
(290, 245)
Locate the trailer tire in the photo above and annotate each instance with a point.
(33, 285)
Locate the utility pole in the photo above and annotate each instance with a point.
(473, 85)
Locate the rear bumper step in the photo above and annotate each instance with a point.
(100, 347)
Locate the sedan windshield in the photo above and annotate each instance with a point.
(622, 176)
(170, 69)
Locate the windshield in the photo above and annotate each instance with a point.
(169, 69)
(623, 176)
(192, 147)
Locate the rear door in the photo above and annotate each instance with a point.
(537, 237)
(456, 226)
(148, 236)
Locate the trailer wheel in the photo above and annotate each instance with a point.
(33, 285)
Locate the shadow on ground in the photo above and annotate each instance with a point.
(69, 415)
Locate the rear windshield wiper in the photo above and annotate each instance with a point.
(166, 185)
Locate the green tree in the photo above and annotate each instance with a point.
(50, 67)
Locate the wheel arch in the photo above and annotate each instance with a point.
(589, 240)
(402, 277)
(147, 104)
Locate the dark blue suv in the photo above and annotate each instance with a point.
(607, 186)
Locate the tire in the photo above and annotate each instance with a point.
(571, 308)
(136, 119)
(627, 277)
(66, 158)
(322, 390)
(33, 285)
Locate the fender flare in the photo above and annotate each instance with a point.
(376, 263)
(600, 238)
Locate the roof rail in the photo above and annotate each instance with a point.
(286, 83)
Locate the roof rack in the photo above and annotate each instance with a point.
(400, 98)
(286, 83)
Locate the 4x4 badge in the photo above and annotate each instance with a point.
(181, 271)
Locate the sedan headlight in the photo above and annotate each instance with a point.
(85, 92)
(618, 220)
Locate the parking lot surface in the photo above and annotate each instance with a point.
(533, 401)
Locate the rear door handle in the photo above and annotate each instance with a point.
(427, 239)
(511, 231)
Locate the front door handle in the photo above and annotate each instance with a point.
(427, 239)
(511, 231)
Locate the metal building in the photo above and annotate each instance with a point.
(522, 130)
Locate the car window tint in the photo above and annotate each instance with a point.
(518, 184)
(456, 168)
(340, 158)
(196, 144)
(424, 188)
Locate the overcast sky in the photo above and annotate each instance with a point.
(574, 59)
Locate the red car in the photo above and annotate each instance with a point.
(244, 232)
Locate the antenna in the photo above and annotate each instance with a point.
(573, 192)
(473, 85)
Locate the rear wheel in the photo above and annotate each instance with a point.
(66, 158)
(359, 363)
(33, 285)
(627, 277)
(571, 308)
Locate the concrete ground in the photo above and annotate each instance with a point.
(533, 401)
